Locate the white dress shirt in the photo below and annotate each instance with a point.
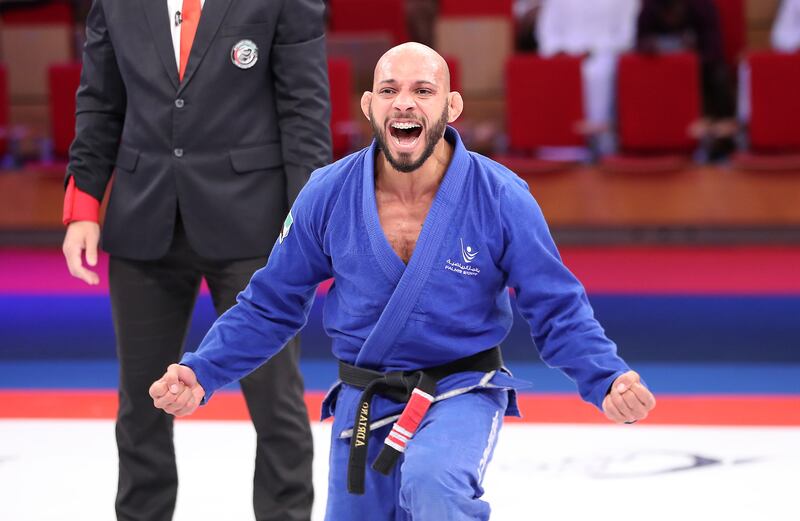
(173, 7)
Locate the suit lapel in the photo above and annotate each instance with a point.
(157, 17)
(213, 13)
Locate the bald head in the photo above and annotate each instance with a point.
(427, 63)
(410, 105)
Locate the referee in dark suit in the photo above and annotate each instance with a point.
(211, 114)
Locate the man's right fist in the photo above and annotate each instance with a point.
(178, 391)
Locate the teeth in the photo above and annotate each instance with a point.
(405, 126)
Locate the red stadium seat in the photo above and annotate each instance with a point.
(54, 12)
(454, 64)
(658, 99)
(732, 25)
(774, 112)
(544, 101)
(64, 80)
(369, 16)
(774, 100)
(340, 72)
(544, 104)
(474, 8)
(4, 124)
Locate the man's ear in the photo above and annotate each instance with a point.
(455, 106)
(366, 99)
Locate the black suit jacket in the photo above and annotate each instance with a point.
(229, 147)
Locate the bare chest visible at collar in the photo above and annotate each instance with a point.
(402, 222)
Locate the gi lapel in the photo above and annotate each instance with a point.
(157, 16)
(213, 13)
(413, 278)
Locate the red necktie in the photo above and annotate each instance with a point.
(190, 16)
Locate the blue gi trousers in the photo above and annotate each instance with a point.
(438, 478)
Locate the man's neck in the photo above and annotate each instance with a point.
(421, 183)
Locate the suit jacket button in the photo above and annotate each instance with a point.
(179, 103)
(178, 152)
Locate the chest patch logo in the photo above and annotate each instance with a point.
(467, 253)
(287, 225)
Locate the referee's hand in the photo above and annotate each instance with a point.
(177, 392)
(628, 400)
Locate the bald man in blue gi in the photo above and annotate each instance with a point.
(423, 239)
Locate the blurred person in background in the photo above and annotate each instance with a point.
(421, 20)
(600, 30)
(212, 116)
(526, 13)
(786, 29)
(666, 26)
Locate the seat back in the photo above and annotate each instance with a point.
(33, 37)
(63, 82)
(369, 16)
(454, 64)
(544, 101)
(475, 8)
(480, 34)
(340, 72)
(658, 98)
(4, 123)
(774, 101)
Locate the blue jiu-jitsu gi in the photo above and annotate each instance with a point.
(484, 233)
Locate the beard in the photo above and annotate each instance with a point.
(403, 162)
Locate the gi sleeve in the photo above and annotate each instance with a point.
(302, 98)
(99, 110)
(553, 301)
(272, 308)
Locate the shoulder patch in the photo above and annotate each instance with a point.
(287, 225)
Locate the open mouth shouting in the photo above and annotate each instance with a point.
(405, 133)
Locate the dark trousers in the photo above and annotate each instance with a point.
(152, 304)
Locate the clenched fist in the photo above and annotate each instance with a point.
(178, 391)
(629, 400)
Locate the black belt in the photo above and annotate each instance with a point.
(416, 389)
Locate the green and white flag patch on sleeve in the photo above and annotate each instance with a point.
(287, 225)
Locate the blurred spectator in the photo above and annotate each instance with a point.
(526, 12)
(421, 19)
(693, 25)
(601, 30)
(786, 29)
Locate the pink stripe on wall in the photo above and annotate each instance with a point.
(44, 272)
(683, 270)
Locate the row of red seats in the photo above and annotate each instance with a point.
(388, 16)
(63, 81)
(658, 99)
